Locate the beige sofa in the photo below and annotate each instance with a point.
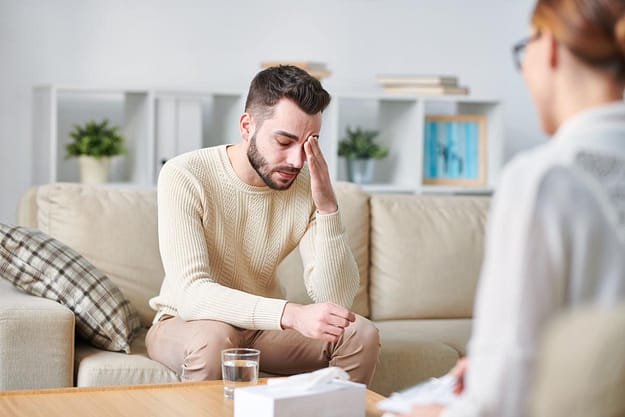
(419, 258)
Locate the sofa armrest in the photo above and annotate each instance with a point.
(36, 341)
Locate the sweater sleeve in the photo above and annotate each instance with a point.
(330, 270)
(184, 253)
(523, 283)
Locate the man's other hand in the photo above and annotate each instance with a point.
(320, 184)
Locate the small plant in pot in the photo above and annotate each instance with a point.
(94, 144)
(360, 150)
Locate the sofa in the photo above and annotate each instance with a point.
(419, 258)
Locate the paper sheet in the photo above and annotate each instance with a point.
(432, 391)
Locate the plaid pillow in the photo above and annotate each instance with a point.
(43, 266)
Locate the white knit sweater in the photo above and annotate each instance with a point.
(222, 239)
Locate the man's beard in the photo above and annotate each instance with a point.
(261, 166)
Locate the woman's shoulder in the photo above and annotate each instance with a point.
(529, 168)
(544, 178)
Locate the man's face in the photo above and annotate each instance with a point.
(276, 147)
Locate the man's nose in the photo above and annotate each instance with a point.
(296, 157)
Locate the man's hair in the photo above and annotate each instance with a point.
(285, 81)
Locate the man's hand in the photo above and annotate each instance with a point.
(323, 321)
(320, 183)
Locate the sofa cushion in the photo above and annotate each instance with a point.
(426, 255)
(354, 208)
(414, 350)
(43, 266)
(96, 367)
(114, 228)
(27, 208)
(36, 341)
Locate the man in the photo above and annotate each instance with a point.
(228, 215)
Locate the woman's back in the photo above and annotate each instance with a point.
(556, 231)
(572, 190)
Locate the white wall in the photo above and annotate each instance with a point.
(219, 44)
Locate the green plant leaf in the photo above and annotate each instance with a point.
(95, 139)
(359, 143)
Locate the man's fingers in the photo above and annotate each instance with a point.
(316, 150)
(342, 312)
(314, 146)
(307, 148)
(333, 330)
(313, 151)
(339, 322)
(310, 156)
(349, 316)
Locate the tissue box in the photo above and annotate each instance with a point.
(333, 399)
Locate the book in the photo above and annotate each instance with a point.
(428, 90)
(306, 65)
(316, 69)
(318, 74)
(417, 80)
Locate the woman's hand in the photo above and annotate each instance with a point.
(431, 410)
(459, 372)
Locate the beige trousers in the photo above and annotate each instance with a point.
(193, 348)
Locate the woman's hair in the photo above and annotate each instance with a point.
(593, 30)
(285, 81)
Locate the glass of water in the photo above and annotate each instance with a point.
(239, 368)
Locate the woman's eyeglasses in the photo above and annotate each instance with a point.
(518, 50)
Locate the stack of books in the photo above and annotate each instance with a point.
(422, 84)
(316, 69)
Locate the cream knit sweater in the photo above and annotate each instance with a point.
(222, 239)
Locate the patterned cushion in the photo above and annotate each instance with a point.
(43, 266)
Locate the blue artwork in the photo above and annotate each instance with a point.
(451, 150)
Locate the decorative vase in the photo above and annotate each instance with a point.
(94, 170)
(360, 170)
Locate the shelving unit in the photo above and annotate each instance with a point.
(159, 124)
(400, 122)
(56, 109)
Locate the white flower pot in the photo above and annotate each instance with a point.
(94, 170)
(360, 171)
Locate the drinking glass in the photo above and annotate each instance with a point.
(239, 368)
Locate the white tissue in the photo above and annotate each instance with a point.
(308, 381)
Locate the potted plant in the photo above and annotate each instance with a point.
(94, 144)
(360, 150)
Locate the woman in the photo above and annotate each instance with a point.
(556, 232)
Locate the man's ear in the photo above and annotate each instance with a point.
(246, 126)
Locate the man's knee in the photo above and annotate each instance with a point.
(365, 333)
(359, 351)
(202, 359)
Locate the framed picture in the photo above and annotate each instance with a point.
(454, 150)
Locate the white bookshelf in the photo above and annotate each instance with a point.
(400, 122)
(160, 123)
(56, 109)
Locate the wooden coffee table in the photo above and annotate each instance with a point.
(183, 399)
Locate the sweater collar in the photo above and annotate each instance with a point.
(595, 126)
